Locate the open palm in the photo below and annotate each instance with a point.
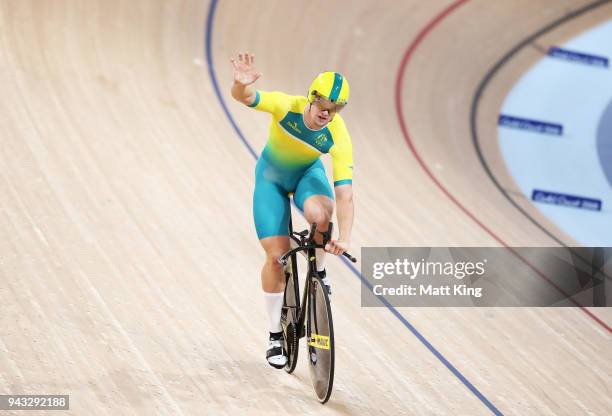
(243, 69)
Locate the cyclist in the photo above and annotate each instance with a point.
(302, 129)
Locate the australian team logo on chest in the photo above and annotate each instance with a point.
(293, 125)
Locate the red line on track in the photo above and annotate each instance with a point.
(399, 109)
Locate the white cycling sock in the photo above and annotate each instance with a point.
(320, 259)
(274, 306)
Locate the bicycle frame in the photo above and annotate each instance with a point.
(302, 243)
(301, 314)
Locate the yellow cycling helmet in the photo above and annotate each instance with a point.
(330, 85)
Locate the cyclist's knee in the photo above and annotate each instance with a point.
(275, 247)
(272, 260)
(318, 214)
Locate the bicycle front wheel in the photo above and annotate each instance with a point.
(320, 337)
(290, 314)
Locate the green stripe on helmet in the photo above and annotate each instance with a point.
(335, 90)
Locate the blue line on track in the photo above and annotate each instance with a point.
(213, 77)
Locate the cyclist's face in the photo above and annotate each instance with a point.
(324, 110)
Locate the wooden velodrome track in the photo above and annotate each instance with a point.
(129, 266)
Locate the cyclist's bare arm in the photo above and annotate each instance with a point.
(345, 212)
(244, 76)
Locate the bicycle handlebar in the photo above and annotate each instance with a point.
(283, 259)
(307, 243)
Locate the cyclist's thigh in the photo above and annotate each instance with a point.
(270, 208)
(313, 182)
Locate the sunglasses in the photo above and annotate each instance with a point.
(324, 104)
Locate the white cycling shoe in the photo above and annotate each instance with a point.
(276, 354)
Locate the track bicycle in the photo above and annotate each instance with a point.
(312, 318)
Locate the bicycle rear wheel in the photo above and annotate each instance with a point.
(320, 337)
(290, 313)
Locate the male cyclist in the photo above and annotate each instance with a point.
(302, 129)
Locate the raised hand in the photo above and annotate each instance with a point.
(243, 69)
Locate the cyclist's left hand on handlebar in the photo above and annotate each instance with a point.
(337, 247)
